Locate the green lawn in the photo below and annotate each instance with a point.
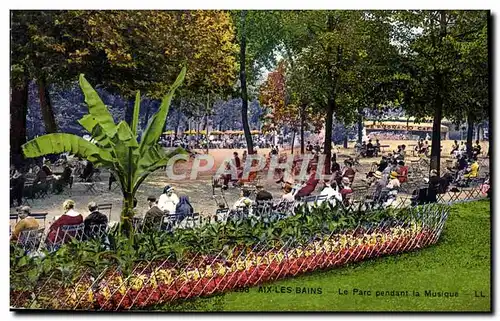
(460, 262)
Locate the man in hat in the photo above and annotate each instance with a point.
(95, 218)
(168, 200)
(380, 184)
(26, 222)
(346, 190)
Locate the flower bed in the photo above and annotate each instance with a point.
(159, 282)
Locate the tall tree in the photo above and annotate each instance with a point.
(445, 58)
(258, 37)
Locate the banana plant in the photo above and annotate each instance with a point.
(114, 146)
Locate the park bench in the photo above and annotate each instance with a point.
(37, 216)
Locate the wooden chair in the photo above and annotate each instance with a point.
(106, 207)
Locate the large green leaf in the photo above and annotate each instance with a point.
(155, 126)
(61, 143)
(97, 110)
(135, 119)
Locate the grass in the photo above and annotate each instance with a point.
(459, 262)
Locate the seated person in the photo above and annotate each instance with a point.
(331, 192)
(70, 217)
(252, 175)
(87, 171)
(244, 202)
(393, 181)
(95, 218)
(380, 184)
(473, 170)
(382, 165)
(346, 191)
(370, 149)
(64, 180)
(153, 219)
(26, 222)
(402, 172)
(402, 153)
(363, 149)
(183, 208)
(476, 149)
(262, 194)
(310, 186)
(433, 188)
(348, 171)
(168, 200)
(287, 194)
(454, 148)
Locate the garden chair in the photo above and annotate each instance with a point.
(65, 234)
(96, 231)
(30, 240)
(221, 214)
(106, 207)
(90, 187)
(138, 224)
(192, 220)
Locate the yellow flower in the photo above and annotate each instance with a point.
(106, 293)
(208, 272)
(221, 270)
(122, 289)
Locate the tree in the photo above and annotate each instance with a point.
(124, 50)
(287, 108)
(442, 62)
(258, 39)
(116, 146)
(328, 45)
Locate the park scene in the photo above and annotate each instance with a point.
(250, 160)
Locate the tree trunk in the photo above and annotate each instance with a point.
(46, 107)
(302, 124)
(328, 134)
(293, 140)
(438, 111)
(18, 112)
(346, 140)
(360, 127)
(470, 132)
(243, 80)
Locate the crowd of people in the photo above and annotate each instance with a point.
(230, 141)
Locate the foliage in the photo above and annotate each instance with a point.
(116, 146)
(284, 107)
(205, 239)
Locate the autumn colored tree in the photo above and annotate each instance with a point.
(125, 50)
(287, 108)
